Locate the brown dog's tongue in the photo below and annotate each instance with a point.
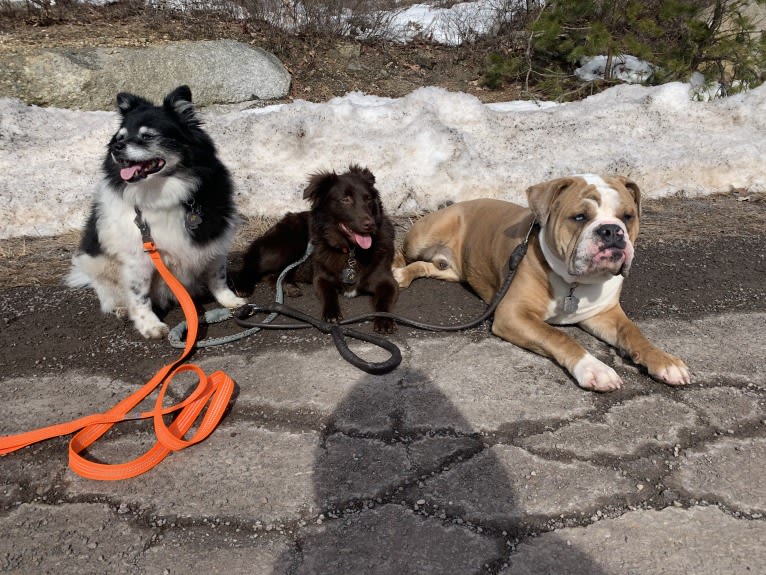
(364, 241)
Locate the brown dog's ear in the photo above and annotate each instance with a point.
(540, 197)
(363, 173)
(319, 184)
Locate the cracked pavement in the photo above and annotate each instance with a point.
(472, 457)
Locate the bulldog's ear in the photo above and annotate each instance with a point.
(319, 184)
(633, 188)
(540, 197)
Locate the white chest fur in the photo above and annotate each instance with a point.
(592, 299)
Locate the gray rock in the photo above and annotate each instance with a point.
(218, 72)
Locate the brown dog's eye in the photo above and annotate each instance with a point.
(627, 218)
(346, 200)
(579, 218)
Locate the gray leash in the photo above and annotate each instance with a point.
(341, 331)
(177, 335)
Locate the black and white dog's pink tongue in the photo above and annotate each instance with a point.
(362, 240)
(139, 170)
(129, 173)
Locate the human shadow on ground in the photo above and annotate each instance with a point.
(405, 486)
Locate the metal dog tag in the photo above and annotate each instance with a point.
(348, 276)
(570, 304)
(193, 220)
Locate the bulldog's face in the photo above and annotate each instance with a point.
(588, 225)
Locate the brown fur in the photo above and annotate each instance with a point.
(472, 241)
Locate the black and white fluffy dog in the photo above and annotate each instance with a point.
(163, 165)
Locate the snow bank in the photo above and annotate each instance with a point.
(427, 148)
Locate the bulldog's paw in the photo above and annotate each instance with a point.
(402, 277)
(667, 368)
(593, 374)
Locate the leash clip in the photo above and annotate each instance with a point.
(143, 227)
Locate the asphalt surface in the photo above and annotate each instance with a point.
(473, 456)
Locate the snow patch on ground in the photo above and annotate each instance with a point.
(427, 148)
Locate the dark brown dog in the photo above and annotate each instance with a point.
(353, 245)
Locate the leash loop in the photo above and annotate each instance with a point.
(212, 394)
(339, 333)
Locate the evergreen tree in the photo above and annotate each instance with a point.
(678, 37)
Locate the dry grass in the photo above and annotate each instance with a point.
(29, 261)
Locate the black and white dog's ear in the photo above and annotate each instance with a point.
(180, 93)
(127, 102)
(319, 184)
(179, 101)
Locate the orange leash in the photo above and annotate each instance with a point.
(213, 392)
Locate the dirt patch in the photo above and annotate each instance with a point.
(322, 67)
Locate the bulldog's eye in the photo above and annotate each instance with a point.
(627, 218)
(580, 218)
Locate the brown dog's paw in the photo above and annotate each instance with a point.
(595, 375)
(384, 325)
(292, 290)
(332, 316)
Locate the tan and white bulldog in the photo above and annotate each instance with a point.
(572, 273)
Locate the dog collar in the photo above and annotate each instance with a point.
(570, 302)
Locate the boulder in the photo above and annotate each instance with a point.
(218, 72)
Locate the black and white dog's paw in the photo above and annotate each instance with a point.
(151, 327)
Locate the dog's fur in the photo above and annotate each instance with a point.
(346, 218)
(162, 163)
(572, 272)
